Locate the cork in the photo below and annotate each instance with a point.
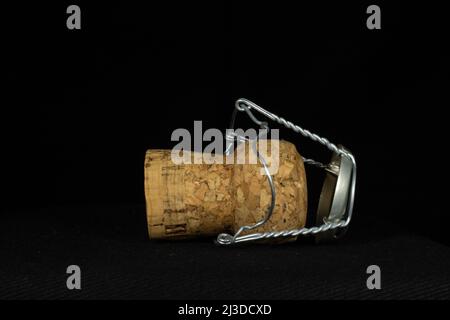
(192, 200)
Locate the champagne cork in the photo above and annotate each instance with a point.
(192, 200)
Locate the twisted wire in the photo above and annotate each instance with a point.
(246, 105)
(314, 163)
(225, 238)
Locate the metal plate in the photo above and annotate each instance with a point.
(334, 196)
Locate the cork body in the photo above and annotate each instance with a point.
(189, 200)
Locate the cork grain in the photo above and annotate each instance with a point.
(206, 199)
(190, 199)
(253, 193)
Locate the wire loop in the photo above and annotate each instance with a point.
(244, 105)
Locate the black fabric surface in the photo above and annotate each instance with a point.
(81, 107)
(118, 261)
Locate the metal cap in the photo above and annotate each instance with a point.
(334, 197)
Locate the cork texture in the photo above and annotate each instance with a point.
(253, 192)
(189, 200)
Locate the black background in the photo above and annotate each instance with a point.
(81, 107)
